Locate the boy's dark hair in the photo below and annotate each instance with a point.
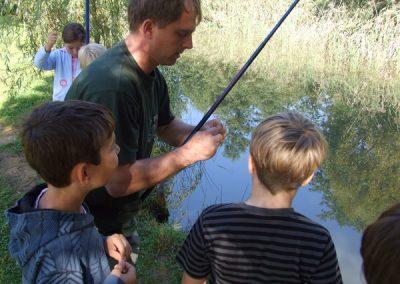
(163, 12)
(286, 149)
(58, 135)
(380, 248)
(73, 32)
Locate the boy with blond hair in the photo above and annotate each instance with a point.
(89, 53)
(263, 240)
(52, 235)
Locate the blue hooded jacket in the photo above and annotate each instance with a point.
(54, 246)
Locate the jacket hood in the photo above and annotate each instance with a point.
(31, 229)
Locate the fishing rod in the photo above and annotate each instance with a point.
(239, 74)
(87, 18)
(231, 84)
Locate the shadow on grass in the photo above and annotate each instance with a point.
(14, 108)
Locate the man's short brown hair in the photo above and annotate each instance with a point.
(163, 12)
(286, 149)
(59, 135)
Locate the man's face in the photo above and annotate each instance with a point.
(170, 41)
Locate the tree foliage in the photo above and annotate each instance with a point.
(107, 19)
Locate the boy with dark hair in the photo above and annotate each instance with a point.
(380, 248)
(52, 236)
(263, 240)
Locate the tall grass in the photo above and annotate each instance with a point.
(336, 39)
(349, 53)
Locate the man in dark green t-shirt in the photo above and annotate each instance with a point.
(126, 80)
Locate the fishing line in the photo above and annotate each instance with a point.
(231, 84)
(239, 74)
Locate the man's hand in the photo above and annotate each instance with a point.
(51, 41)
(118, 247)
(125, 271)
(217, 124)
(204, 144)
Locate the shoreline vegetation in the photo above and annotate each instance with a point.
(328, 42)
(330, 45)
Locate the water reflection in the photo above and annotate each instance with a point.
(359, 179)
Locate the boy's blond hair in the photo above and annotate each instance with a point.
(90, 52)
(286, 149)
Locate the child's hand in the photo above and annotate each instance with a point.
(125, 271)
(51, 41)
(118, 247)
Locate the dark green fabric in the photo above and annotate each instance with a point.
(140, 103)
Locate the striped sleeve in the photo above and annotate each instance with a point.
(328, 270)
(192, 255)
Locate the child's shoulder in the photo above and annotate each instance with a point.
(311, 224)
(222, 207)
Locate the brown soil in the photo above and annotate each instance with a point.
(13, 167)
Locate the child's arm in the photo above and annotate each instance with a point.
(51, 41)
(117, 246)
(43, 59)
(328, 270)
(187, 279)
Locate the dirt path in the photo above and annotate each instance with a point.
(13, 167)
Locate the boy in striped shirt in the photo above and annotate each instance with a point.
(263, 240)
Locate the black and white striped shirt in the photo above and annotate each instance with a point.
(238, 243)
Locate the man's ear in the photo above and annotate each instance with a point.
(307, 180)
(147, 28)
(80, 174)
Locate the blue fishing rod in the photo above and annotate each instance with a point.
(87, 18)
(239, 74)
(231, 84)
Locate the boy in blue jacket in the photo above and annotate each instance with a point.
(52, 235)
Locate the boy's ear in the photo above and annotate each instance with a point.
(251, 166)
(80, 174)
(307, 180)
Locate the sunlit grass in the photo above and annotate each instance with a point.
(334, 40)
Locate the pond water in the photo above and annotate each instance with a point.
(358, 180)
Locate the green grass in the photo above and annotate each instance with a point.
(10, 272)
(159, 244)
(14, 148)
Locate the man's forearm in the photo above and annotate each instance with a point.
(146, 173)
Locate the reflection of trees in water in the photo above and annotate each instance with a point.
(360, 177)
(363, 166)
(184, 184)
(253, 98)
